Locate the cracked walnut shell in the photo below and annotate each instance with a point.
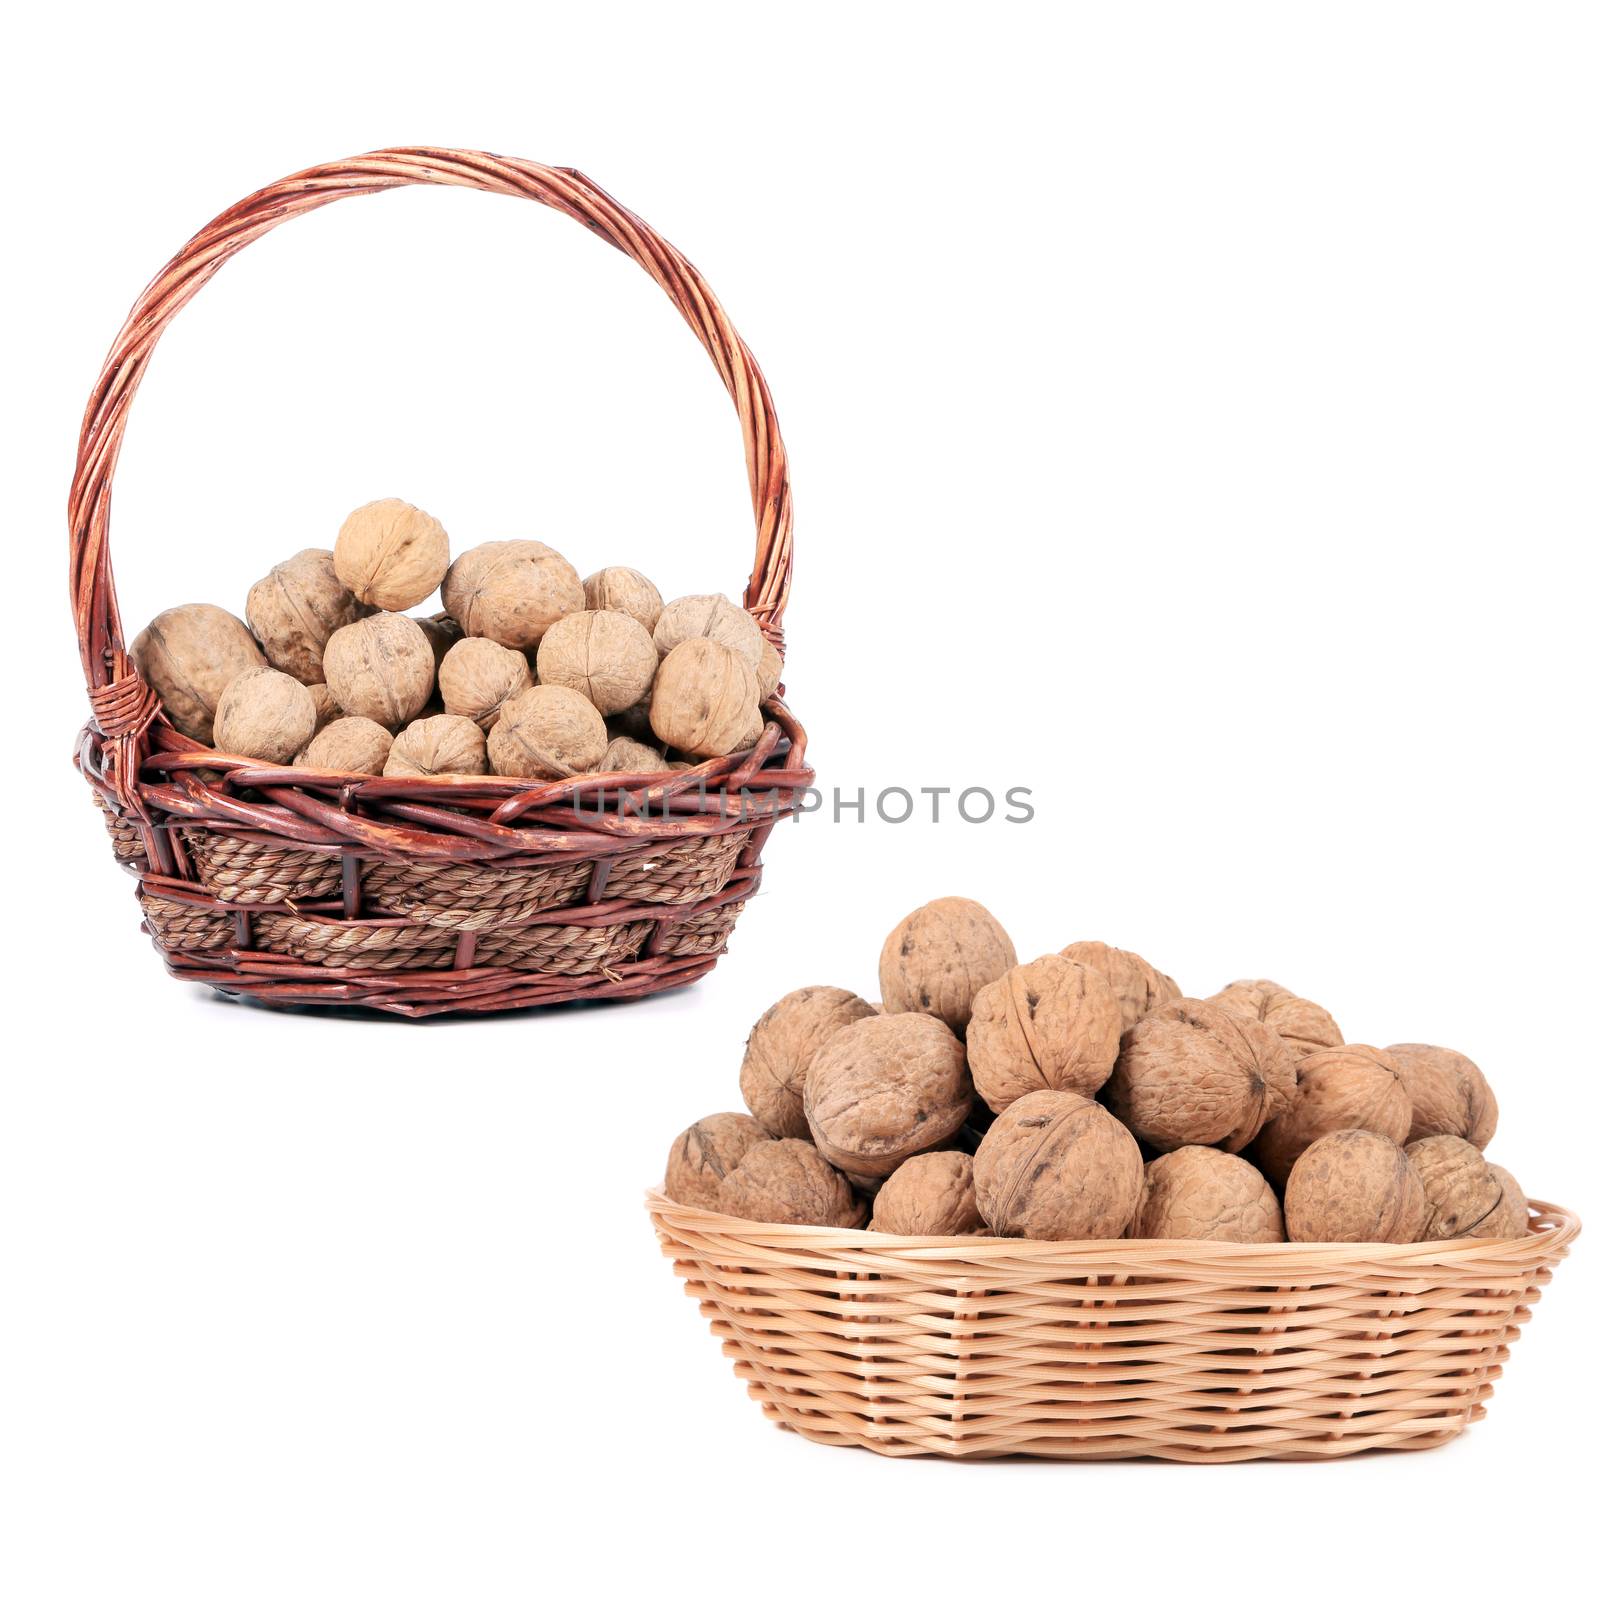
(1448, 1093)
(781, 1047)
(1193, 1073)
(1349, 1086)
(786, 1180)
(605, 655)
(189, 655)
(1057, 1166)
(1050, 1024)
(478, 676)
(1302, 1024)
(382, 668)
(705, 1153)
(1197, 1192)
(297, 608)
(547, 732)
(391, 555)
(1139, 988)
(931, 1195)
(511, 591)
(939, 957)
(1354, 1186)
(433, 746)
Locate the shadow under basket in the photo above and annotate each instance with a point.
(1185, 1351)
(420, 896)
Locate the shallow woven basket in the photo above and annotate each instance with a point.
(1129, 1347)
(437, 894)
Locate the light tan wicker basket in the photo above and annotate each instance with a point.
(1129, 1347)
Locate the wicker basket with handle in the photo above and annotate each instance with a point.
(1128, 1347)
(438, 894)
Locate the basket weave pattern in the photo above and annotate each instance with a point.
(420, 896)
(1132, 1347)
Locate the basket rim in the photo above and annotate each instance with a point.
(1552, 1230)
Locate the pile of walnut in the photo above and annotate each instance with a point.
(1081, 1096)
(527, 672)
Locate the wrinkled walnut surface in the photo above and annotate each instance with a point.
(547, 732)
(1197, 1192)
(382, 668)
(632, 755)
(349, 744)
(1302, 1024)
(709, 616)
(705, 1153)
(786, 1180)
(1464, 1194)
(1139, 988)
(1448, 1093)
(939, 957)
(297, 608)
(478, 676)
(607, 656)
(1354, 1186)
(624, 589)
(189, 655)
(1348, 1086)
(780, 1049)
(930, 1195)
(511, 591)
(433, 746)
(391, 555)
(265, 714)
(703, 699)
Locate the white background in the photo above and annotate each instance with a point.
(1193, 414)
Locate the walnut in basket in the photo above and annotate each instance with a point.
(547, 732)
(931, 1194)
(1139, 988)
(511, 591)
(297, 608)
(1193, 1073)
(624, 589)
(478, 676)
(1467, 1197)
(433, 746)
(786, 1180)
(382, 668)
(189, 655)
(769, 670)
(606, 656)
(703, 699)
(391, 555)
(780, 1049)
(883, 1089)
(348, 744)
(1349, 1086)
(443, 634)
(1057, 1166)
(632, 755)
(705, 1153)
(1448, 1093)
(266, 715)
(328, 709)
(1354, 1187)
(1049, 1024)
(1197, 1192)
(939, 957)
(709, 616)
(1302, 1024)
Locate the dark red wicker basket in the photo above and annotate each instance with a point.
(439, 894)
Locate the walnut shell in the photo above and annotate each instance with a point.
(443, 634)
(931, 1194)
(885, 1088)
(632, 755)
(939, 957)
(1448, 1093)
(380, 667)
(348, 744)
(547, 732)
(328, 709)
(1139, 988)
(703, 699)
(786, 1180)
(1051, 1024)
(390, 554)
(266, 715)
(1466, 1197)
(1349, 1086)
(769, 670)
(478, 676)
(605, 655)
(1193, 1073)
(1196, 1192)
(626, 590)
(432, 746)
(709, 616)
(1057, 1166)
(780, 1048)
(297, 608)
(1354, 1186)
(1302, 1024)
(705, 1153)
(189, 655)
(511, 591)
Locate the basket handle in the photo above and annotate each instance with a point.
(120, 700)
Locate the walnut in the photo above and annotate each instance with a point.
(434, 745)
(547, 732)
(349, 744)
(478, 676)
(631, 755)
(1349, 1086)
(1052, 1024)
(1448, 1093)
(511, 591)
(443, 633)
(709, 616)
(1057, 1166)
(1139, 988)
(380, 667)
(623, 589)
(786, 1180)
(705, 1153)
(1467, 1198)
(328, 709)
(1196, 1192)
(265, 715)
(189, 655)
(1302, 1024)
(1193, 1073)
(769, 670)
(780, 1049)
(885, 1088)
(1354, 1186)
(931, 1194)
(391, 555)
(703, 697)
(939, 957)
(605, 655)
(297, 608)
